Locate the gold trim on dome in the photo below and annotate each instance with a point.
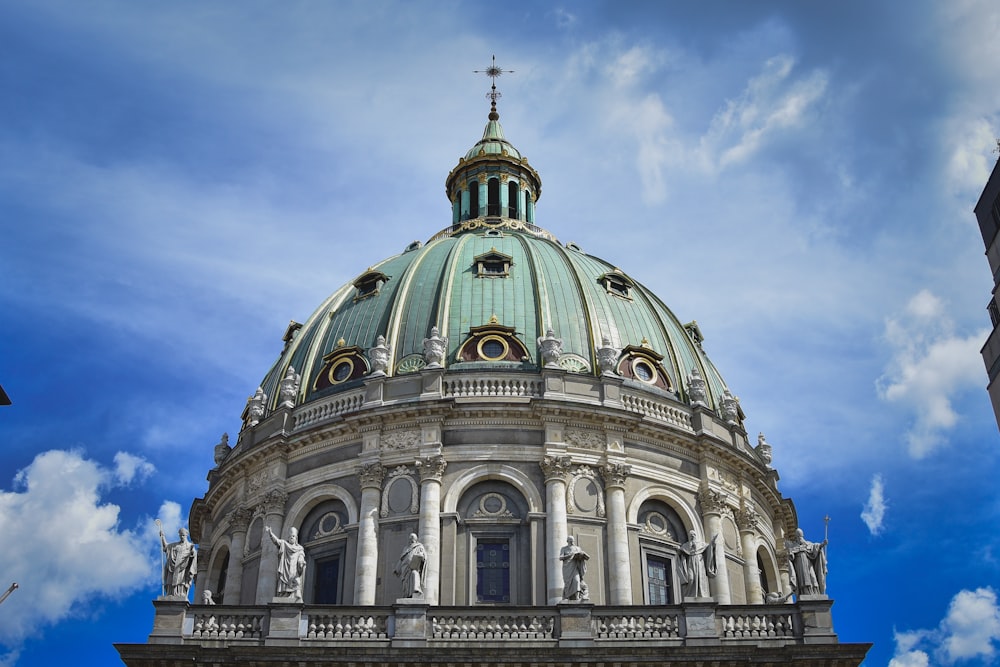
(494, 223)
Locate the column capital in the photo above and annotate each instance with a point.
(431, 468)
(239, 519)
(615, 474)
(746, 518)
(556, 468)
(371, 475)
(274, 501)
(712, 501)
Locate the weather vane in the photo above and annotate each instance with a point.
(493, 71)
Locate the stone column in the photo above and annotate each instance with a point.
(239, 521)
(746, 521)
(713, 504)
(555, 469)
(431, 470)
(267, 576)
(366, 571)
(619, 568)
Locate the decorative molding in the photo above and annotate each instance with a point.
(401, 439)
(485, 512)
(400, 473)
(587, 473)
(584, 438)
(330, 519)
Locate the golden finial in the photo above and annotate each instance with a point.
(493, 319)
(493, 71)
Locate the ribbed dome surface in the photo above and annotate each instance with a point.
(583, 299)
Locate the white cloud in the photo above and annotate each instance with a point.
(129, 467)
(64, 544)
(873, 513)
(930, 365)
(972, 625)
(969, 630)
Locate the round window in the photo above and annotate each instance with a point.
(493, 349)
(342, 371)
(643, 371)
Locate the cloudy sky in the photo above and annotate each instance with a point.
(179, 180)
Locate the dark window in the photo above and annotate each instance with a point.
(493, 349)
(658, 572)
(493, 571)
(994, 311)
(342, 371)
(763, 576)
(643, 371)
(493, 196)
(473, 200)
(512, 200)
(327, 582)
(221, 587)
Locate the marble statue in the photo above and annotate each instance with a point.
(777, 598)
(180, 565)
(551, 348)
(434, 349)
(697, 565)
(255, 406)
(410, 568)
(222, 449)
(206, 597)
(607, 356)
(379, 357)
(288, 388)
(291, 564)
(574, 567)
(729, 406)
(807, 560)
(763, 450)
(697, 395)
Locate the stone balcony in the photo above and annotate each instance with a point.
(416, 625)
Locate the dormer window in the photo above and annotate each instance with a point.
(369, 284)
(493, 264)
(617, 283)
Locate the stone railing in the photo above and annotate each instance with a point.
(499, 386)
(329, 408)
(658, 409)
(415, 624)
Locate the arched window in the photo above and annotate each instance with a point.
(322, 534)
(496, 540)
(661, 533)
(512, 200)
(473, 211)
(493, 197)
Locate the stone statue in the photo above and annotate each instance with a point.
(551, 348)
(607, 356)
(574, 567)
(410, 568)
(222, 449)
(697, 565)
(179, 566)
(777, 598)
(434, 349)
(206, 597)
(696, 389)
(379, 357)
(288, 388)
(291, 564)
(763, 450)
(255, 406)
(807, 560)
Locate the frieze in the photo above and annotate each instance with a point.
(401, 439)
(585, 438)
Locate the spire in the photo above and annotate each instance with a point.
(493, 71)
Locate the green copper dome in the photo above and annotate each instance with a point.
(488, 291)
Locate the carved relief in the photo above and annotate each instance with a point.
(494, 506)
(555, 467)
(328, 524)
(399, 439)
(615, 474)
(400, 477)
(712, 501)
(371, 475)
(584, 438)
(239, 520)
(274, 502)
(256, 481)
(431, 467)
(657, 524)
(584, 494)
(746, 518)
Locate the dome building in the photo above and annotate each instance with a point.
(540, 429)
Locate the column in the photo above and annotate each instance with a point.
(555, 469)
(483, 196)
(431, 470)
(239, 521)
(366, 570)
(463, 207)
(713, 504)
(267, 576)
(619, 565)
(503, 195)
(746, 521)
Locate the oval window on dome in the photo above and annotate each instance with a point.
(493, 348)
(341, 371)
(643, 371)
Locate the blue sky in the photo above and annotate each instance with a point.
(179, 180)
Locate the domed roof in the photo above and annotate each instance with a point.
(489, 288)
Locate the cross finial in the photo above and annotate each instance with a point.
(493, 71)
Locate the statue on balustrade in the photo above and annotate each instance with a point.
(180, 565)
(410, 568)
(291, 565)
(574, 560)
(807, 560)
(697, 565)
